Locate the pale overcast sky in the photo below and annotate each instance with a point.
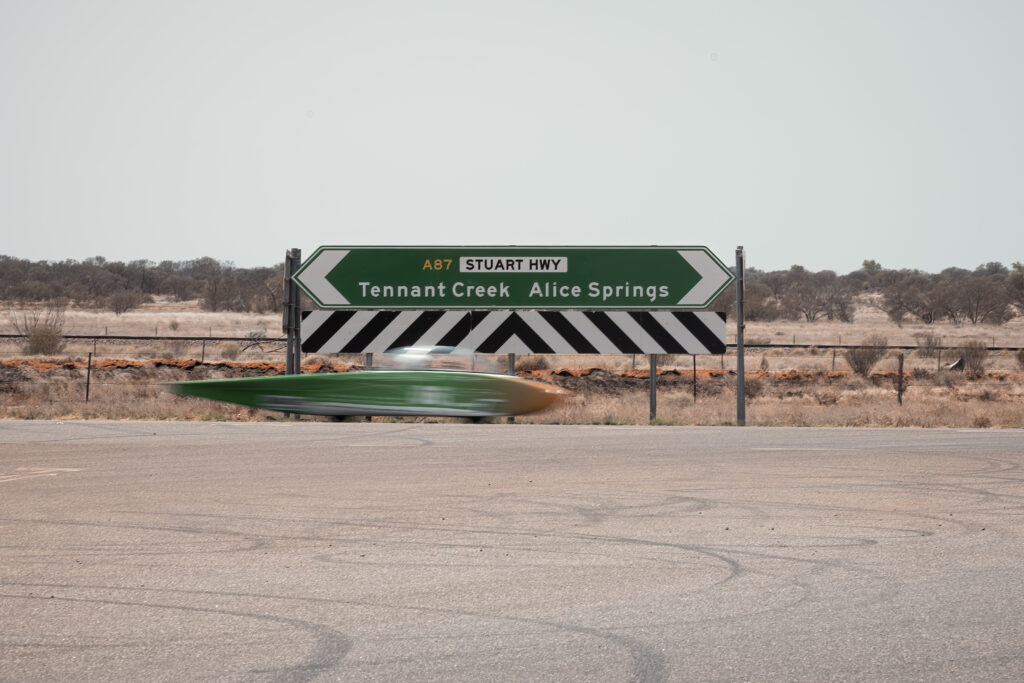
(814, 132)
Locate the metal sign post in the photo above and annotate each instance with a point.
(292, 313)
(741, 408)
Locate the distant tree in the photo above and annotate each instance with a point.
(869, 274)
(950, 287)
(775, 281)
(896, 299)
(836, 295)
(925, 297)
(1015, 287)
(125, 300)
(984, 295)
(801, 298)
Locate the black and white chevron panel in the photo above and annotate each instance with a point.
(568, 332)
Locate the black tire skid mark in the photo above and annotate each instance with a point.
(331, 646)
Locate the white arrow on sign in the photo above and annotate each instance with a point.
(713, 276)
(314, 277)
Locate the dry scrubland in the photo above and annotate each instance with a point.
(784, 386)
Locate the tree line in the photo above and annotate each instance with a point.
(120, 287)
(991, 293)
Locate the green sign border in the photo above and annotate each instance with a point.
(477, 305)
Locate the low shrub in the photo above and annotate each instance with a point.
(826, 398)
(44, 340)
(863, 358)
(752, 387)
(974, 353)
(921, 373)
(988, 395)
(43, 330)
(531, 363)
(229, 350)
(928, 344)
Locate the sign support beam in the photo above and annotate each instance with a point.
(292, 314)
(741, 407)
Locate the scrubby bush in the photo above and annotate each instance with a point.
(44, 340)
(43, 330)
(974, 353)
(928, 344)
(229, 350)
(863, 358)
(752, 387)
(531, 363)
(125, 300)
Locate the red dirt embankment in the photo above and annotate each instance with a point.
(182, 364)
(576, 379)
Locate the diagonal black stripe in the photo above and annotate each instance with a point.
(621, 340)
(328, 329)
(658, 333)
(514, 326)
(462, 328)
(412, 334)
(699, 330)
(370, 330)
(569, 333)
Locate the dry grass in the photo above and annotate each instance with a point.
(845, 402)
(793, 387)
(57, 391)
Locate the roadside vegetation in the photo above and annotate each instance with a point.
(962, 335)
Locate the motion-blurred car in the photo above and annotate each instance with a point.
(412, 381)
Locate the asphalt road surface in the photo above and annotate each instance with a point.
(414, 552)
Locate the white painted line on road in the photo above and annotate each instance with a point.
(808, 449)
(33, 472)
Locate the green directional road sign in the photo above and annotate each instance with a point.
(513, 277)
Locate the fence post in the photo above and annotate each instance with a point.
(512, 372)
(88, 378)
(695, 379)
(654, 386)
(899, 383)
